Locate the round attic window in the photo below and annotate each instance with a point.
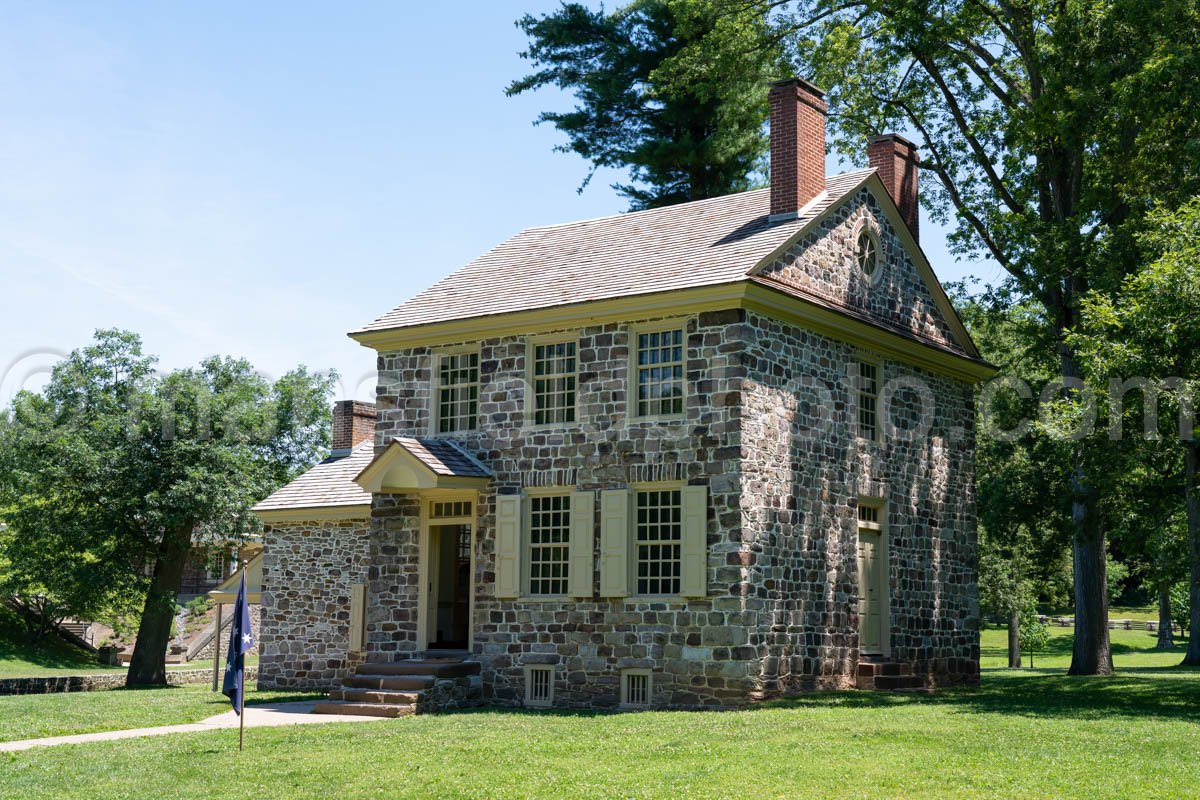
(867, 253)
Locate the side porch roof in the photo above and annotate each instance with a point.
(408, 464)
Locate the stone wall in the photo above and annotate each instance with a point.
(308, 569)
(823, 264)
(780, 615)
(694, 647)
(54, 684)
(804, 472)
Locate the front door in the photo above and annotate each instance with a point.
(448, 599)
(870, 591)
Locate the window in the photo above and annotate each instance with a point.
(458, 392)
(539, 685)
(868, 514)
(660, 373)
(658, 536)
(549, 544)
(636, 690)
(456, 509)
(867, 253)
(868, 400)
(554, 383)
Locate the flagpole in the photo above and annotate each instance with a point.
(242, 694)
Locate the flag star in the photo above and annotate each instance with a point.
(247, 638)
(229, 667)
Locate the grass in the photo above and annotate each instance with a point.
(18, 659)
(1028, 733)
(32, 716)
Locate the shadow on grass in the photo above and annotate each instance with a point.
(1046, 693)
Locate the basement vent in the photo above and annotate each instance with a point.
(539, 686)
(635, 688)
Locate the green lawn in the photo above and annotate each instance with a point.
(1025, 734)
(56, 657)
(32, 716)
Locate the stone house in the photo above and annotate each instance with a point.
(692, 456)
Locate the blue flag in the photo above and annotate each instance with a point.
(241, 639)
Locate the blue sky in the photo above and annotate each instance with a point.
(256, 179)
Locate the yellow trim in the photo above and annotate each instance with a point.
(676, 302)
(531, 406)
(315, 513)
(435, 385)
(875, 184)
(881, 529)
(743, 293)
(632, 332)
(779, 305)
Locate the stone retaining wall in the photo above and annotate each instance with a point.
(53, 684)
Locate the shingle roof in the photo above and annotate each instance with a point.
(329, 484)
(444, 457)
(703, 243)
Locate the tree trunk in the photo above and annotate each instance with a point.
(1091, 654)
(148, 667)
(1192, 461)
(1166, 636)
(1014, 639)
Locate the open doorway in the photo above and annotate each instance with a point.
(449, 587)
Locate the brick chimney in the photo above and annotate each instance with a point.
(353, 424)
(797, 146)
(898, 163)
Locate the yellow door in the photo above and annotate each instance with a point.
(870, 592)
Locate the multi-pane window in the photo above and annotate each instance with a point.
(549, 544)
(868, 400)
(868, 514)
(451, 509)
(657, 538)
(458, 392)
(554, 383)
(867, 253)
(660, 373)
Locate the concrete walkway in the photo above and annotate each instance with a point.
(267, 715)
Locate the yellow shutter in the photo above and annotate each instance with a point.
(508, 545)
(694, 582)
(583, 516)
(358, 616)
(614, 543)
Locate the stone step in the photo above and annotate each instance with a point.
(386, 682)
(437, 669)
(891, 683)
(370, 696)
(366, 709)
(876, 668)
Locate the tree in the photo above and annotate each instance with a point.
(1023, 504)
(685, 141)
(1049, 129)
(142, 465)
(1035, 634)
(1149, 327)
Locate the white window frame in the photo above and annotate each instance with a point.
(435, 396)
(526, 543)
(859, 394)
(633, 382)
(535, 702)
(531, 404)
(626, 674)
(634, 491)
